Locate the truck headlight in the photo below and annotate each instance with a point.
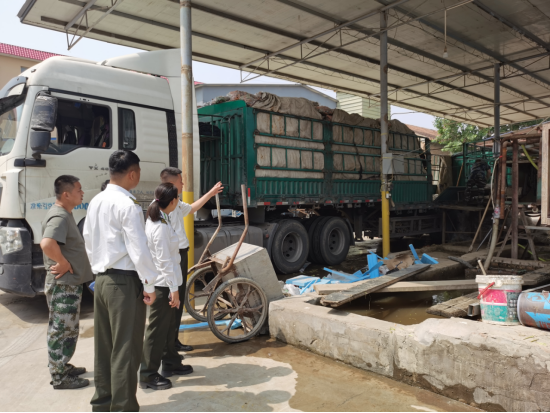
(10, 240)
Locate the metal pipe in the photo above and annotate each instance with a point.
(80, 14)
(515, 194)
(384, 132)
(187, 122)
(496, 215)
(91, 26)
(227, 267)
(503, 177)
(215, 232)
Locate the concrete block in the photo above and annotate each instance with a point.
(494, 367)
(252, 262)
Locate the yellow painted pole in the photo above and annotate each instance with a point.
(187, 123)
(385, 224)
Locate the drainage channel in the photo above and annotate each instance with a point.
(402, 308)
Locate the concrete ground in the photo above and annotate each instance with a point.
(258, 375)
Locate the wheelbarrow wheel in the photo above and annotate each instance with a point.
(199, 282)
(237, 310)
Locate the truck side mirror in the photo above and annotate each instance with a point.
(39, 142)
(43, 120)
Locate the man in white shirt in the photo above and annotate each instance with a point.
(173, 176)
(114, 233)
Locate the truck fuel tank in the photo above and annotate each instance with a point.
(228, 235)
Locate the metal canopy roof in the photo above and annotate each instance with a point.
(334, 44)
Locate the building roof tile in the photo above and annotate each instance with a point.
(24, 52)
(424, 132)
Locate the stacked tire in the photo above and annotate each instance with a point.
(329, 240)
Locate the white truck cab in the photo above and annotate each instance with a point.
(66, 116)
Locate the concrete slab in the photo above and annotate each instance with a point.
(259, 375)
(492, 367)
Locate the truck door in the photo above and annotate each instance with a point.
(81, 144)
(144, 131)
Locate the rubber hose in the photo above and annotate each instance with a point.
(529, 157)
(493, 244)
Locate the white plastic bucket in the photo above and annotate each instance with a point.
(499, 303)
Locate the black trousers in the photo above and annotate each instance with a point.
(179, 311)
(159, 343)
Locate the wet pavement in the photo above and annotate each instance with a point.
(259, 375)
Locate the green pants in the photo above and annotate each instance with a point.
(119, 324)
(179, 311)
(64, 305)
(160, 337)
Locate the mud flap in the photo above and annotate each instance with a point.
(16, 279)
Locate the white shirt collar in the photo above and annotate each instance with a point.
(116, 188)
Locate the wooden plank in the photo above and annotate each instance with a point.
(545, 175)
(519, 263)
(457, 307)
(370, 286)
(403, 287)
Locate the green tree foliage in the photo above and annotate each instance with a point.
(452, 134)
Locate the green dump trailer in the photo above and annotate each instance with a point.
(313, 186)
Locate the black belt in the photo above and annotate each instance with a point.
(115, 271)
(184, 249)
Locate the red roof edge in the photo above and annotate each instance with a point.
(25, 53)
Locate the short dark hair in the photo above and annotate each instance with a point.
(164, 194)
(104, 184)
(121, 161)
(64, 183)
(168, 172)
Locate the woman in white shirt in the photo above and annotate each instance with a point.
(160, 337)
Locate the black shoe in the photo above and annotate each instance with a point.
(77, 371)
(180, 370)
(71, 382)
(74, 371)
(183, 347)
(156, 382)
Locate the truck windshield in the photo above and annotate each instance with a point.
(10, 120)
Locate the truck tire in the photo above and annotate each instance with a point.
(290, 246)
(314, 247)
(332, 241)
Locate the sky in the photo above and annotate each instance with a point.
(13, 32)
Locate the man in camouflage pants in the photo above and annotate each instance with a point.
(64, 303)
(68, 268)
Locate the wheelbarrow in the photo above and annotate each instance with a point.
(236, 283)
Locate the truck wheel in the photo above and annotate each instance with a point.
(315, 246)
(313, 257)
(290, 246)
(333, 241)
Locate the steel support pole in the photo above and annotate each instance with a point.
(384, 128)
(187, 122)
(496, 212)
(515, 195)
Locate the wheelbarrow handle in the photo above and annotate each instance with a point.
(207, 249)
(241, 240)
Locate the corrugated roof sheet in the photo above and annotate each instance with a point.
(460, 86)
(24, 52)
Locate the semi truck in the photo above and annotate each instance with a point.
(305, 198)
